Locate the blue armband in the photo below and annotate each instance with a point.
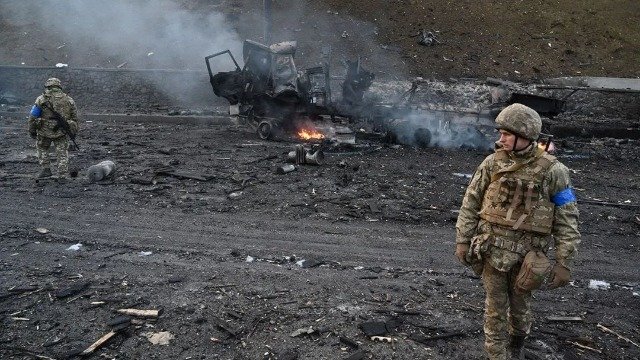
(35, 111)
(564, 197)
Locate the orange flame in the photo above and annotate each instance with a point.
(310, 134)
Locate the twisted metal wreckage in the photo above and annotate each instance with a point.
(274, 97)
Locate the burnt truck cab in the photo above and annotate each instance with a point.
(273, 70)
(269, 88)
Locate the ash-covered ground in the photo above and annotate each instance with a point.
(198, 224)
(246, 263)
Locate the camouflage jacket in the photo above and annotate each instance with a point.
(472, 228)
(41, 119)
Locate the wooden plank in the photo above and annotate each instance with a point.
(141, 313)
(98, 343)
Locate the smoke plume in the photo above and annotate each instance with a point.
(143, 33)
(432, 128)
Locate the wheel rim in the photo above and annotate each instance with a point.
(264, 130)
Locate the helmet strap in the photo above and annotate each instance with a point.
(515, 142)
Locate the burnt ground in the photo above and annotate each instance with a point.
(223, 256)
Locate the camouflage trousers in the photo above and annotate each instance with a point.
(61, 145)
(506, 313)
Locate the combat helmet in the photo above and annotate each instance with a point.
(520, 120)
(52, 82)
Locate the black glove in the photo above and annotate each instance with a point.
(33, 134)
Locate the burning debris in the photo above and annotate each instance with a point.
(276, 98)
(281, 102)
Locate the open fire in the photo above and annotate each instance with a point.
(309, 134)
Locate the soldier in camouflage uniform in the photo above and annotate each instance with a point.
(520, 199)
(45, 129)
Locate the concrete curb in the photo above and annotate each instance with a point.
(144, 118)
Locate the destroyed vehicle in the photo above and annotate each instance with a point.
(272, 95)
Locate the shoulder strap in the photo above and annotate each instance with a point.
(543, 163)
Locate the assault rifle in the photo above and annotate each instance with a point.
(61, 123)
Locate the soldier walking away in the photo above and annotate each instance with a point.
(518, 204)
(53, 120)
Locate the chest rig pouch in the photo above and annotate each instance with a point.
(50, 126)
(515, 198)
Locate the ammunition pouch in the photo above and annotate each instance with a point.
(536, 267)
(517, 247)
(479, 246)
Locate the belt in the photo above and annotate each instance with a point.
(519, 247)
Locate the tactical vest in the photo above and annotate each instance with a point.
(515, 198)
(58, 101)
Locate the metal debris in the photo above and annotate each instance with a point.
(427, 38)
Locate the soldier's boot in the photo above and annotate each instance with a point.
(516, 347)
(44, 173)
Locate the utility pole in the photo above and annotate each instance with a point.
(267, 22)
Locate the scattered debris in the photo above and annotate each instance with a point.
(427, 38)
(303, 331)
(599, 285)
(584, 346)
(75, 247)
(98, 343)
(101, 171)
(351, 343)
(159, 338)
(374, 328)
(466, 176)
(61, 65)
(119, 323)
(145, 253)
(223, 325)
(72, 290)
(565, 318)
(606, 203)
(309, 263)
(301, 156)
(607, 330)
(141, 313)
(383, 339)
(235, 194)
(42, 230)
(285, 169)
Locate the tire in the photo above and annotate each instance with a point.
(264, 130)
